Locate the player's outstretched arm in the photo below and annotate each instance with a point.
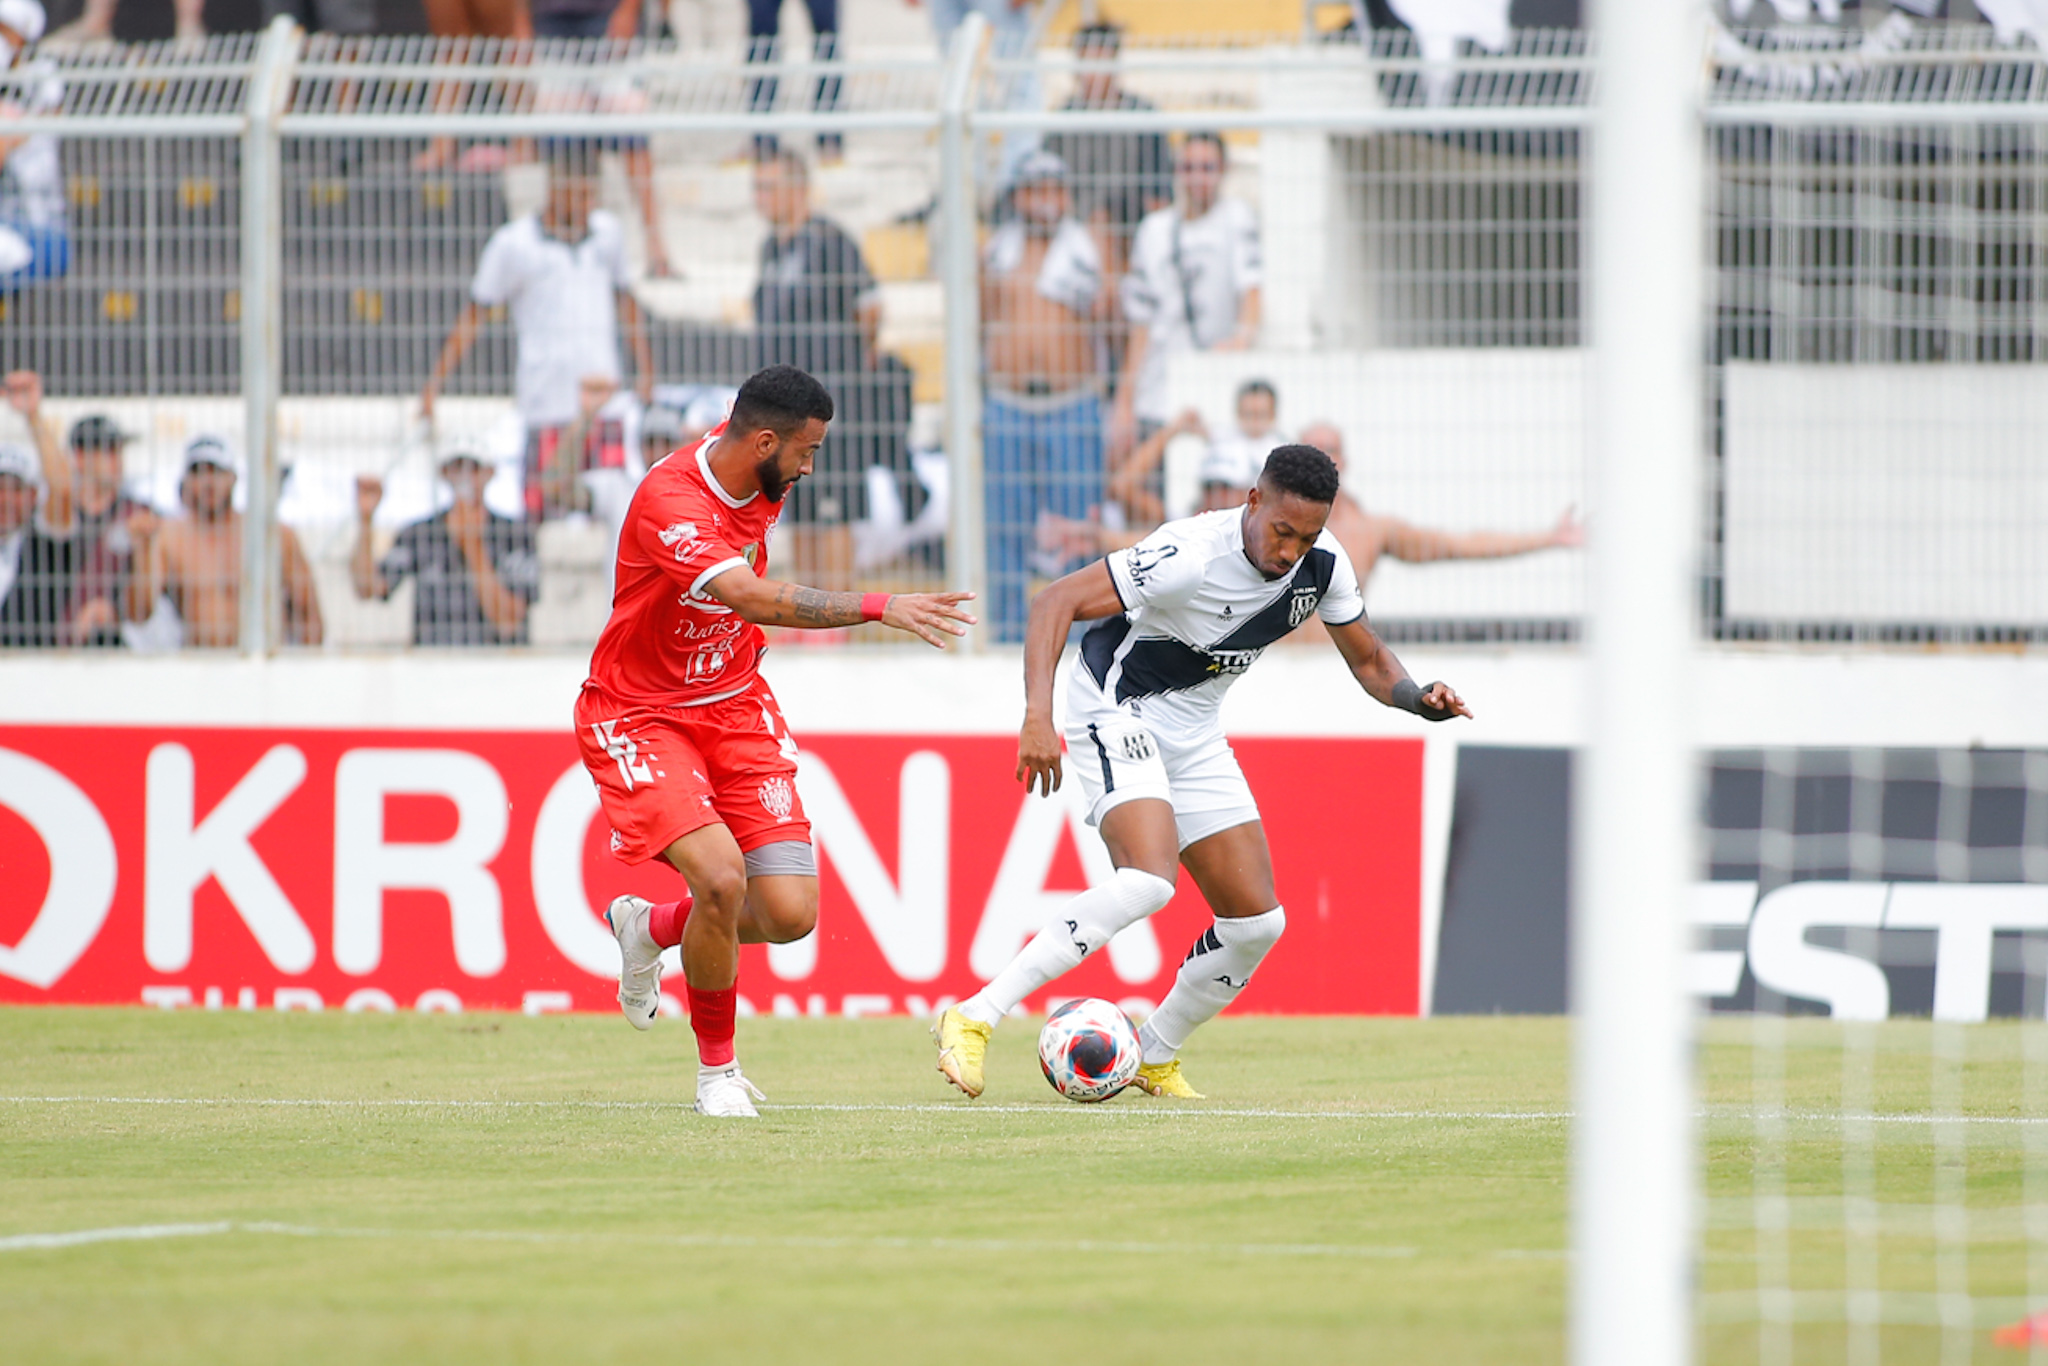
(768, 602)
(1384, 678)
(1084, 595)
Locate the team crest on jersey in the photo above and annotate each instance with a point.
(1303, 607)
(618, 841)
(680, 537)
(751, 553)
(778, 797)
(1137, 746)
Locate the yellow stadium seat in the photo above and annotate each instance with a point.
(1158, 20)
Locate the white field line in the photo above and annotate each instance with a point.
(1715, 1113)
(962, 1108)
(38, 1241)
(31, 1242)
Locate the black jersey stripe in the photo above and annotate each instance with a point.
(1099, 644)
(1275, 620)
(1108, 776)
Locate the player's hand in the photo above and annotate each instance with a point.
(1038, 756)
(369, 493)
(929, 616)
(1440, 697)
(1569, 531)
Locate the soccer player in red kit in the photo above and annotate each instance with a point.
(692, 760)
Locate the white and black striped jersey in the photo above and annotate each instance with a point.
(1197, 613)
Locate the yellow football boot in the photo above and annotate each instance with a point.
(963, 1044)
(1164, 1079)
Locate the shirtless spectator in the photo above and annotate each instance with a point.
(1042, 300)
(477, 572)
(195, 561)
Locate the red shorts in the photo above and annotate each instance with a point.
(662, 772)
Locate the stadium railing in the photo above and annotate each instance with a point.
(1874, 216)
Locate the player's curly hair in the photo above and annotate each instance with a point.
(780, 399)
(1302, 471)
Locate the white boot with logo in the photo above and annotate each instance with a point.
(725, 1093)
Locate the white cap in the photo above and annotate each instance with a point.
(207, 448)
(21, 462)
(462, 448)
(24, 17)
(1232, 461)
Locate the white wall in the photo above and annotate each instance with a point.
(1523, 696)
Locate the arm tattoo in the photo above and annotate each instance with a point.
(796, 605)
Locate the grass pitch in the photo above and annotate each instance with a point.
(225, 1187)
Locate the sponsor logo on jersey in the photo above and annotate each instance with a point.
(1223, 662)
(778, 797)
(1304, 605)
(618, 841)
(678, 531)
(1144, 561)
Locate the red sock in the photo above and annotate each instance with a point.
(665, 923)
(711, 1017)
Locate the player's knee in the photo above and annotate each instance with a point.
(1133, 895)
(720, 892)
(790, 918)
(1143, 893)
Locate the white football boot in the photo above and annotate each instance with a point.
(725, 1093)
(639, 960)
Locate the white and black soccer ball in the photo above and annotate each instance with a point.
(1089, 1050)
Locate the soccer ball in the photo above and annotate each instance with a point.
(1089, 1050)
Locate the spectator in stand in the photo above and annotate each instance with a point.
(563, 273)
(1193, 286)
(764, 28)
(195, 561)
(817, 307)
(35, 561)
(343, 18)
(1010, 26)
(1117, 177)
(1042, 297)
(35, 236)
(95, 23)
(1366, 536)
(477, 572)
(83, 501)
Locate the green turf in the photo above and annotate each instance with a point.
(603, 1220)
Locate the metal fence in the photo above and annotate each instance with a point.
(1036, 358)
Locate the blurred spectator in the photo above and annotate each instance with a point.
(35, 238)
(1230, 465)
(195, 561)
(477, 572)
(764, 28)
(35, 562)
(1011, 24)
(1041, 291)
(584, 18)
(817, 307)
(563, 273)
(95, 22)
(504, 20)
(1193, 286)
(344, 18)
(1117, 177)
(1366, 536)
(83, 502)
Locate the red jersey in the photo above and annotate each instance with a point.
(670, 643)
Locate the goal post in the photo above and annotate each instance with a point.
(1633, 1164)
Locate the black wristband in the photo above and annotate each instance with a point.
(1408, 697)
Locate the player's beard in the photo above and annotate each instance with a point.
(768, 474)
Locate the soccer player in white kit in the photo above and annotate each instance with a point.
(1178, 617)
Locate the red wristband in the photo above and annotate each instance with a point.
(872, 605)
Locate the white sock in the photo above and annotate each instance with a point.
(1089, 921)
(1217, 968)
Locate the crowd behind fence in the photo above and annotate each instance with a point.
(1060, 294)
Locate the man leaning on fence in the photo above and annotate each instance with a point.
(1193, 286)
(562, 272)
(476, 573)
(1042, 299)
(1117, 176)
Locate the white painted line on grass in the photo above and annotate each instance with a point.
(958, 1108)
(29, 1242)
(38, 1241)
(968, 1108)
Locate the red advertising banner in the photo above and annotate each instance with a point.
(366, 870)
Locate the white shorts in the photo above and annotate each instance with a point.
(1119, 760)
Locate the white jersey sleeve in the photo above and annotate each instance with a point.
(502, 269)
(1342, 602)
(1159, 571)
